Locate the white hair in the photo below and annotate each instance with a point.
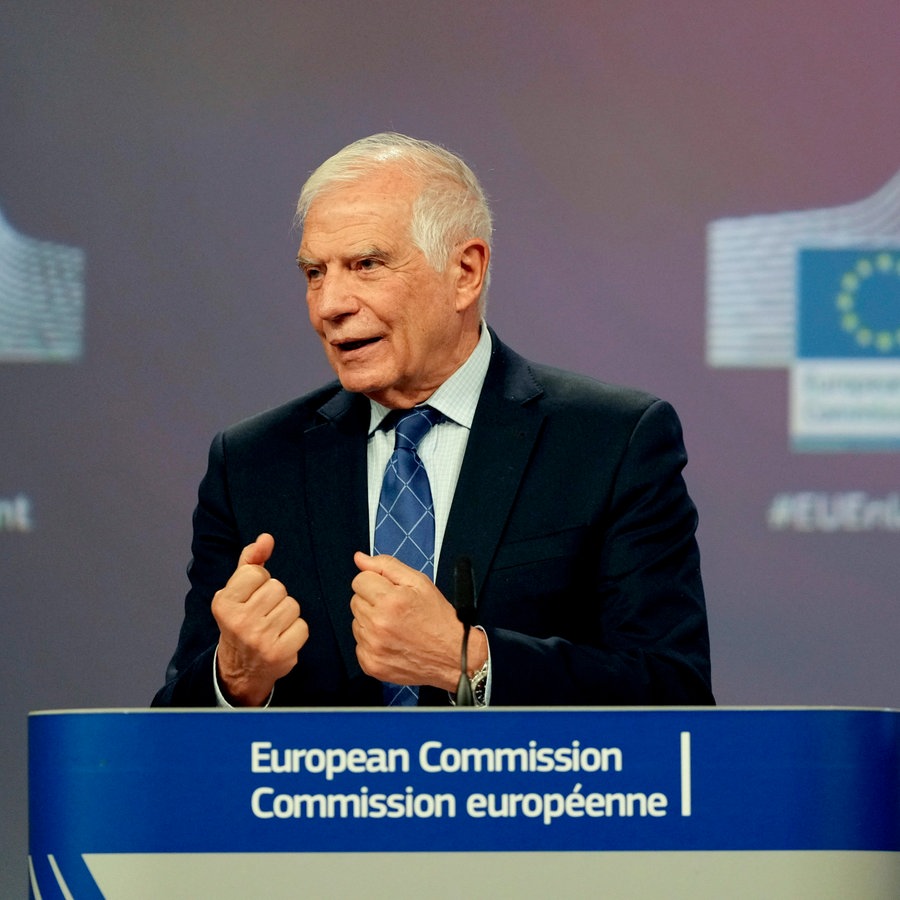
(450, 208)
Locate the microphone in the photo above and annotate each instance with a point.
(464, 579)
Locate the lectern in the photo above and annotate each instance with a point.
(451, 803)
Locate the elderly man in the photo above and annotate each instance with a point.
(437, 443)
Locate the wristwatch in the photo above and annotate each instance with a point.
(479, 684)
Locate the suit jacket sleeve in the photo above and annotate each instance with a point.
(215, 550)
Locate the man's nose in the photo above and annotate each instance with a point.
(334, 297)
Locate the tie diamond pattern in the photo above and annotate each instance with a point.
(404, 524)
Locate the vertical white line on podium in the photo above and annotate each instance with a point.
(685, 773)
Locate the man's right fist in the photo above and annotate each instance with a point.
(260, 628)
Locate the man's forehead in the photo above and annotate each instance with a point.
(352, 233)
(359, 213)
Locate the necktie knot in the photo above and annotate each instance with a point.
(411, 425)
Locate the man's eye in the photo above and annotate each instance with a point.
(366, 265)
(312, 273)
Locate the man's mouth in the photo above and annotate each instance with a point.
(348, 346)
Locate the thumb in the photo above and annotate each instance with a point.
(258, 553)
(388, 567)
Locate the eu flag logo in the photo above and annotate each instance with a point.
(848, 304)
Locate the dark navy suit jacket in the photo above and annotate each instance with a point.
(570, 504)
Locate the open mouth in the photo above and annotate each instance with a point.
(347, 346)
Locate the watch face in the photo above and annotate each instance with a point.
(479, 685)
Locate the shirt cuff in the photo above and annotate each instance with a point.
(487, 686)
(221, 702)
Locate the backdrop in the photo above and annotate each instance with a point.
(692, 198)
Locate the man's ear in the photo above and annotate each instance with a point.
(472, 259)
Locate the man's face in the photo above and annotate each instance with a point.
(393, 328)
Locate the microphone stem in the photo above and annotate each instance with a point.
(464, 688)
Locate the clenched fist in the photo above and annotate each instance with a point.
(261, 631)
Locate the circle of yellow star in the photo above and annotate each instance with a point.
(884, 265)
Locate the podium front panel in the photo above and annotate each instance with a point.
(415, 802)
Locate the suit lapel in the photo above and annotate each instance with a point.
(503, 434)
(335, 480)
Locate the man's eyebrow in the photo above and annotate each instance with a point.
(361, 253)
(364, 252)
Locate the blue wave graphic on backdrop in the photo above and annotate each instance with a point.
(41, 299)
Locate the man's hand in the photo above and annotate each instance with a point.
(406, 632)
(260, 628)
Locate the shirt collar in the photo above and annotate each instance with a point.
(458, 396)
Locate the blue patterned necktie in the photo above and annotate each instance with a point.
(404, 524)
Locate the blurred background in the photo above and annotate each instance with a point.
(150, 158)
